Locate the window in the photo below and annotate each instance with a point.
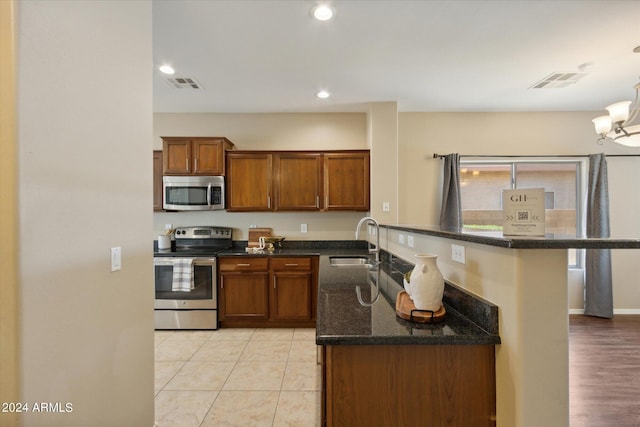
(481, 193)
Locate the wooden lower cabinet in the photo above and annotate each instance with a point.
(291, 289)
(408, 385)
(244, 296)
(267, 291)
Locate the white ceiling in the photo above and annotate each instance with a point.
(427, 55)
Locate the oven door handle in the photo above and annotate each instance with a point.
(164, 261)
(204, 261)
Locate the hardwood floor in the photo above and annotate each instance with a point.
(604, 371)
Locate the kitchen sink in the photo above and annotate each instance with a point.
(350, 261)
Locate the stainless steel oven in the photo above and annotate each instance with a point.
(186, 279)
(179, 309)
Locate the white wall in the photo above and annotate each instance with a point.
(286, 131)
(382, 133)
(553, 133)
(85, 180)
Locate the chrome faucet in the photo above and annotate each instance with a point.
(376, 250)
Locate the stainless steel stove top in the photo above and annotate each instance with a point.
(198, 241)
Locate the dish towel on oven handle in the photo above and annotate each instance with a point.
(182, 275)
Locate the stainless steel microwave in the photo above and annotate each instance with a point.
(192, 193)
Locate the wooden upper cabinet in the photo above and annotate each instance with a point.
(249, 181)
(157, 180)
(298, 181)
(195, 155)
(346, 181)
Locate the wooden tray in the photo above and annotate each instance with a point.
(404, 306)
(254, 235)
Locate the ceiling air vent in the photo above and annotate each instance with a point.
(184, 82)
(558, 80)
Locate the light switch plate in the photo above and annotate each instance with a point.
(401, 239)
(385, 207)
(458, 253)
(116, 258)
(410, 241)
(303, 228)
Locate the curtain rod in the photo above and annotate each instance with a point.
(441, 156)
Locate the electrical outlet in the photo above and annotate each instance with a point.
(303, 228)
(457, 253)
(410, 241)
(253, 226)
(401, 239)
(168, 226)
(385, 207)
(116, 258)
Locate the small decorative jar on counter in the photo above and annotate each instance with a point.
(426, 284)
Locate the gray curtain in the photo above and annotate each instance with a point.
(451, 211)
(598, 294)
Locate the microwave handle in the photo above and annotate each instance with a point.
(209, 194)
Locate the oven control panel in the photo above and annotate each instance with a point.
(203, 232)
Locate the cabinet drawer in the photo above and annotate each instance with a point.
(291, 264)
(243, 264)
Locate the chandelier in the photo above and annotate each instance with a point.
(620, 126)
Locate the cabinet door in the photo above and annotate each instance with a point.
(243, 296)
(157, 180)
(346, 181)
(249, 182)
(177, 157)
(298, 181)
(208, 157)
(292, 288)
(291, 295)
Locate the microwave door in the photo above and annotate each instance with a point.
(186, 198)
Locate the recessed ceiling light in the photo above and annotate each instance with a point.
(323, 12)
(323, 94)
(166, 69)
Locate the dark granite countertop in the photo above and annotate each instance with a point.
(496, 238)
(342, 320)
(302, 248)
(289, 248)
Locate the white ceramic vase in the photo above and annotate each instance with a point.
(426, 283)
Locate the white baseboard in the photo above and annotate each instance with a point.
(615, 311)
(626, 311)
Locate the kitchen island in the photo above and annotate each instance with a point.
(526, 278)
(380, 370)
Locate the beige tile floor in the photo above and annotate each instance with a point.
(237, 377)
